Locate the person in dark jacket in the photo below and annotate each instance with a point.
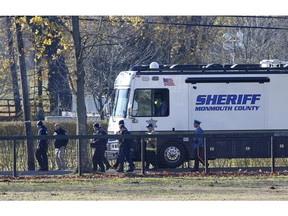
(124, 151)
(60, 145)
(100, 146)
(41, 152)
(115, 166)
(105, 160)
(198, 145)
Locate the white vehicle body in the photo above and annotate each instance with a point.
(236, 98)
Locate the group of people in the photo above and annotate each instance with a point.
(125, 146)
(42, 148)
(100, 146)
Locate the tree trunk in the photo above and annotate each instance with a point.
(13, 68)
(80, 96)
(25, 97)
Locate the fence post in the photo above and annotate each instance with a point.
(205, 155)
(272, 155)
(79, 158)
(143, 147)
(8, 107)
(14, 159)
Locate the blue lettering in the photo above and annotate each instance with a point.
(213, 108)
(221, 99)
(254, 98)
(201, 99)
(245, 108)
(233, 99)
(246, 98)
(239, 99)
(211, 98)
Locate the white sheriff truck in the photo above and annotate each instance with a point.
(238, 97)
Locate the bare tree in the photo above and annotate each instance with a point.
(13, 67)
(107, 54)
(80, 95)
(257, 43)
(25, 95)
(48, 34)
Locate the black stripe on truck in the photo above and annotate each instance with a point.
(227, 80)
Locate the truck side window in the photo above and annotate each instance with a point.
(150, 102)
(141, 103)
(161, 106)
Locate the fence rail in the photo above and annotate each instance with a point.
(270, 145)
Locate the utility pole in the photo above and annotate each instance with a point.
(231, 42)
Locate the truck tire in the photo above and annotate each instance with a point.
(171, 155)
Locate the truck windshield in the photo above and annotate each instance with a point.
(120, 102)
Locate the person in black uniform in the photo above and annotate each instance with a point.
(115, 166)
(60, 145)
(99, 145)
(103, 132)
(124, 151)
(41, 152)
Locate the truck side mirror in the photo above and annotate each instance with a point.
(129, 110)
(108, 108)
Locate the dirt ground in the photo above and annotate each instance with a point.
(154, 188)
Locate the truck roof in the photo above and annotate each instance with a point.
(211, 69)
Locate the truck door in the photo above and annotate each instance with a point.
(150, 106)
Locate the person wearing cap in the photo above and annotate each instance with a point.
(60, 145)
(121, 122)
(124, 151)
(198, 145)
(99, 145)
(41, 152)
(105, 160)
(151, 148)
(115, 166)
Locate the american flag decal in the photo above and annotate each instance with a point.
(168, 82)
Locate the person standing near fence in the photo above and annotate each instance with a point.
(100, 145)
(60, 145)
(124, 151)
(105, 160)
(115, 166)
(151, 148)
(42, 148)
(198, 145)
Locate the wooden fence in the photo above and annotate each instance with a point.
(8, 110)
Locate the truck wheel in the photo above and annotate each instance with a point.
(171, 155)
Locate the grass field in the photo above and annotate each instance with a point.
(155, 187)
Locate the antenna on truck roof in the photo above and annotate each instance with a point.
(154, 65)
(264, 64)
